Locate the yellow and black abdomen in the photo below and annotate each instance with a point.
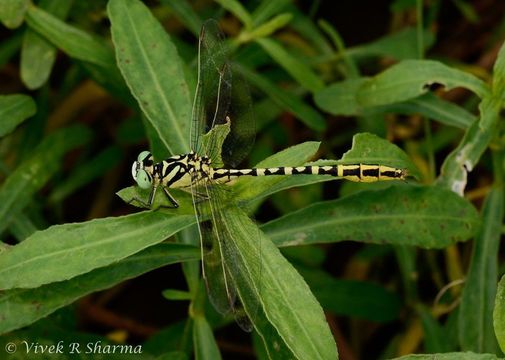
(354, 172)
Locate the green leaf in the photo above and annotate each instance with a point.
(185, 14)
(94, 53)
(237, 9)
(351, 69)
(203, 340)
(428, 217)
(37, 59)
(297, 69)
(435, 339)
(132, 194)
(499, 314)
(340, 99)
(465, 157)
(300, 325)
(174, 294)
(153, 71)
(305, 26)
(12, 12)
(400, 45)
(370, 149)
(14, 109)
(32, 174)
(476, 309)
(88, 245)
(21, 307)
(286, 100)
(176, 336)
(411, 78)
(37, 54)
(75, 42)
(432, 107)
(266, 9)
(359, 299)
(449, 356)
(21, 226)
(498, 86)
(270, 26)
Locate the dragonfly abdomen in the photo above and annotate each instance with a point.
(354, 172)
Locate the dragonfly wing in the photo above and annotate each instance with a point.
(240, 140)
(244, 276)
(219, 286)
(215, 101)
(213, 91)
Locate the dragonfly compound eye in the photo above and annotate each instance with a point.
(143, 156)
(135, 167)
(143, 179)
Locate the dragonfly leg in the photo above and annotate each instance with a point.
(174, 202)
(147, 204)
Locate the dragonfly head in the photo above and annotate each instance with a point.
(142, 170)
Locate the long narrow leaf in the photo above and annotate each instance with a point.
(95, 55)
(185, 14)
(37, 54)
(32, 174)
(465, 157)
(297, 69)
(237, 9)
(401, 215)
(14, 109)
(20, 307)
(12, 12)
(286, 100)
(499, 314)
(411, 78)
(203, 339)
(341, 99)
(153, 71)
(84, 246)
(284, 296)
(476, 309)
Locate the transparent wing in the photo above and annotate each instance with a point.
(215, 101)
(213, 91)
(240, 140)
(239, 272)
(219, 286)
(223, 270)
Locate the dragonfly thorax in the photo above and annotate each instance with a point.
(177, 171)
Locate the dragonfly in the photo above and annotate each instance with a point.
(211, 164)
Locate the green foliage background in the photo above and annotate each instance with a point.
(373, 270)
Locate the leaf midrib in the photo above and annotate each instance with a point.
(277, 283)
(158, 87)
(134, 233)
